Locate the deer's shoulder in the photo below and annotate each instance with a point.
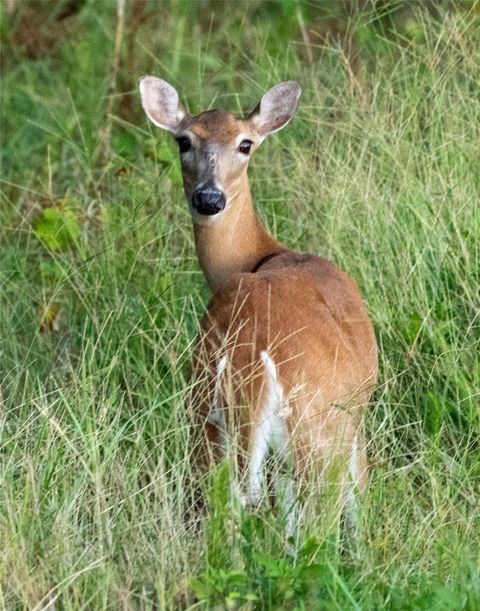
(287, 281)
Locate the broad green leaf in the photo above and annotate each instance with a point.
(58, 228)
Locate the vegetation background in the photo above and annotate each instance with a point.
(101, 296)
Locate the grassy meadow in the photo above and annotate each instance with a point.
(101, 297)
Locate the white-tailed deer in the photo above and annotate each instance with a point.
(286, 358)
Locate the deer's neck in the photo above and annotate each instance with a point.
(234, 242)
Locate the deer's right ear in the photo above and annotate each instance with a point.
(160, 102)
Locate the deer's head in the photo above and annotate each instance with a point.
(215, 146)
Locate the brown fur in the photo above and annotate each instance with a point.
(213, 126)
(310, 318)
(214, 134)
(234, 243)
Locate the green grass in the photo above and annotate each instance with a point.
(380, 172)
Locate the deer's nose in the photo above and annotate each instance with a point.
(208, 199)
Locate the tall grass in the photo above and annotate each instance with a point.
(380, 172)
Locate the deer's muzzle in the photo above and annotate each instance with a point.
(208, 199)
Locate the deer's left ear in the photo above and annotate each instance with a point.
(160, 102)
(276, 108)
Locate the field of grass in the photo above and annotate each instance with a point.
(101, 297)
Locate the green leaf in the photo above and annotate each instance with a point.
(413, 30)
(58, 228)
(125, 145)
(200, 587)
(314, 571)
(166, 156)
(412, 327)
(274, 565)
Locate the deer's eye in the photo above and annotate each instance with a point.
(245, 146)
(184, 144)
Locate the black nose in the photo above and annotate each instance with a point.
(208, 199)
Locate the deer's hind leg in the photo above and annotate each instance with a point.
(330, 458)
(357, 480)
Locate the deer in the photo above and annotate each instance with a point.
(286, 357)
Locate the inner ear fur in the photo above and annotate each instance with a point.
(276, 108)
(160, 102)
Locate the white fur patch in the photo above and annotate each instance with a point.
(352, 485)
(269, 433)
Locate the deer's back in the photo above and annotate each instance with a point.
(310, 318)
